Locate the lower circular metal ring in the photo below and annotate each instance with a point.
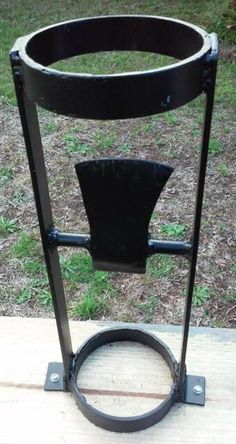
(117, 423)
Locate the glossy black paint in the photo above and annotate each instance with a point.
(119, 197)
(178, 248)
(132, 423)
(124, 189)
(116, 96)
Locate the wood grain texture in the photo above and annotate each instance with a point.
(120, 379)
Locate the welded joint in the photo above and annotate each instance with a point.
(211, 62)
(213, 55)
(52, 235)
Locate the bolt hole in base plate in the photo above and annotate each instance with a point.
(117, 350)
(55, 377)
(195, 390)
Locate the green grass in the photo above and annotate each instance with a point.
(125, 148)
(233, 268)
(89, 307)
(214, 147)
(39, 290)
(148, 307)
(45, 298)
(94, 299)
(73, 145)
(26, 246)
(105, 140)
(24, 295)
(226, 83)
(201, 295)
(173, 230)
(224, 169)
(50, 127)
(21, 17)
(77, 268)
(111, 62)
(33, 267)
(171, 118)
(229, 297)
(5, 175)
(160, 266)
(19, 196)
(28, 253)
(154, 216)
(7, 226)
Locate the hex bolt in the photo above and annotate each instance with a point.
(54, 377)
(197, 389)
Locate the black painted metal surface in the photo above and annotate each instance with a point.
(115, 96)
(120, 194)
(119, 197)
(124, 424)
(179, 248)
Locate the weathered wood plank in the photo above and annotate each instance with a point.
(120, 379)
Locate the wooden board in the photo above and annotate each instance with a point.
(120, 379)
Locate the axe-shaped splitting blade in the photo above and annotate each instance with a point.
(119, 197)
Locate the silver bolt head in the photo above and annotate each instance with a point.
(197, 389)
(54, 377)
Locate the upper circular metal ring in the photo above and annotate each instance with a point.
(121, 95)
(116, 423)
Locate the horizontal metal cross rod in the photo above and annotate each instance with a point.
(180, 248)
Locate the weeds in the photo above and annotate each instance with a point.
(148, 308)
(27, 250)
(7, 226)
(233, 268)
(50, 127)
(200, 296)
(104, 140)
(93, 300)
(74, 146)
(33, 267)
(24, 296)
(195, 132)
(26, 246)
(77, 268)
(229, 297)
(5, 175)
(160, 266)
(125, 148)
(88, 307)
(170, 118)
(45, 298)
(223, 169)
(173, 230)
(19, 196)
(214, 147)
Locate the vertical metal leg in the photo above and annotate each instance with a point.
(29, 121)
(210, 88)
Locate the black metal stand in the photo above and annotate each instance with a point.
(118, 239)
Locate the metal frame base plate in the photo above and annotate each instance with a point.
(195, 390)
(55, 377)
